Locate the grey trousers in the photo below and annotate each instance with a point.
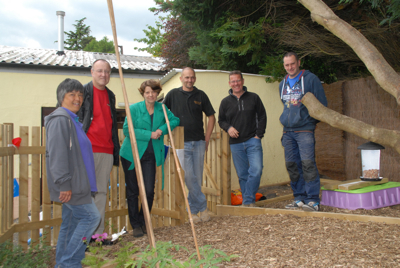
(103, 164)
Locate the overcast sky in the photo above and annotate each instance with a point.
(34, 23)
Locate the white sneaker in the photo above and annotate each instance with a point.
(204, 216)
(311, 206)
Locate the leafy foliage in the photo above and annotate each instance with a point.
(252, 36)
(15, 257)
(154, 40)
(104, 45)
(390, 9)
(129, 257)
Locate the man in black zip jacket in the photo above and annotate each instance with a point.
(242, 115)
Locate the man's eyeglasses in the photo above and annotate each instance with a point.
(102, 71)
(235, 82)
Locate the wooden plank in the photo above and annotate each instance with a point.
(274, 200)
(35, 194)
(34, 225)
(159, 198)
(57, 213)
(23, 186)
(46, 203)
(249, 211)
(174, 180)
(23, 150)
(213, 167)
(167, 187)
(179, 198)
(226, 169)
(3, 220)
(333, 185)
(209, 191)
(166, 213)
(114, 198)
(122, 188)
(122, 197)
(218, 165)
(115, 213)
(10, 176)
(210, 176)
(7, 235)
(360, 184)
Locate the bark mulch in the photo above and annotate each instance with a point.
(288, 240)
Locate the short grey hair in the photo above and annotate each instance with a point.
(101, 60)
(66, 86)
(236, 72)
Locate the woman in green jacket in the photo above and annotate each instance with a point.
(150, 127)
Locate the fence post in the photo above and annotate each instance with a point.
(46, 203)
(3, 187)
(179, 139)
(35, 189)
(226, 169)
(9, 131)
(23, 186)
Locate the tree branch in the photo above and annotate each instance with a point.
(379, 135)
(383, 73)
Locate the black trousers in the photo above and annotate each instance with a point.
(148, 163)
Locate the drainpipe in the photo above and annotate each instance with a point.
(60, 15)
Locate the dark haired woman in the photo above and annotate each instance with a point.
(150, 127)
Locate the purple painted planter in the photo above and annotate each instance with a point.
(371, 200)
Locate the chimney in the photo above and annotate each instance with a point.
(60, 15)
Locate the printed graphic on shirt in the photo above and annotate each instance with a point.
(197, 102)
(292, 96)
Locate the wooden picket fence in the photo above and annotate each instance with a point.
(32, 214)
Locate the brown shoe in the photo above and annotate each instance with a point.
(195, 218)
(204, 216)
(137, 232)
(144, 229)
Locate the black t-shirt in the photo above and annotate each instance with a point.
(189, 107)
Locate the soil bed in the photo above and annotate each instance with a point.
(288, 240)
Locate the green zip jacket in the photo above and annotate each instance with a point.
(142, 125)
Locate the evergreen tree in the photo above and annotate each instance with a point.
(80, 38)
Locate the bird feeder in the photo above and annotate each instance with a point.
(370, 158)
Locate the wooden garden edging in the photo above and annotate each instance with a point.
(168, 207)
(223, 210)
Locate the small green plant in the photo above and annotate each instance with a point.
(151, 256)
(37, 256)
(162, 255)
(125, 253)
(96, 255)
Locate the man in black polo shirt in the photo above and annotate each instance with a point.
(188, 103)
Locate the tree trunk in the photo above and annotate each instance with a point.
(379, 135)
(383, 73)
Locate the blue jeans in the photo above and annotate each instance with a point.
(194, 164)
(248, 160)
(77, 222)
(301, 166)
(148, 163)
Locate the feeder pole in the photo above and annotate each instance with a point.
(182, 184)
(136, 159)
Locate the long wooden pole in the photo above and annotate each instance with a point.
(181, 180)
(136, 159)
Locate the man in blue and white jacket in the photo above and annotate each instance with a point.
(298, 133)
